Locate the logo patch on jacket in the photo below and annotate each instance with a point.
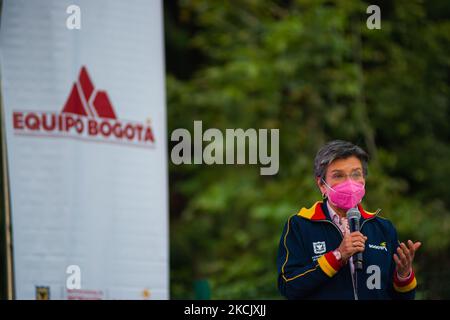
(382, 246)
(319, 247)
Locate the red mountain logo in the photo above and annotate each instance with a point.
(88, 114)
(84, 101)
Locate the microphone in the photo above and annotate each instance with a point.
(353, 216)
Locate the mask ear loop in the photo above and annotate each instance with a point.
(327, 185)
(324, 195)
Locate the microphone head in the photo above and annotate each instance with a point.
(353, 213)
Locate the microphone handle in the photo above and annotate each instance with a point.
(358, 258)
(359, 261)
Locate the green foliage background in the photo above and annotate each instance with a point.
(315, 71)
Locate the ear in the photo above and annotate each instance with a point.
(321, 185)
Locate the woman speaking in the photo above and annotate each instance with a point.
(336, 249)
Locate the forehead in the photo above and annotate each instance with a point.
(347, 165)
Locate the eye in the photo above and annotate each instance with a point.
(356, 175)
(338, 176)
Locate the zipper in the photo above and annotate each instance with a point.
(355, 295)
(355, 280)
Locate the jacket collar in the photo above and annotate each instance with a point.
(319, 211)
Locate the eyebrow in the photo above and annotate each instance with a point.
(354, 169)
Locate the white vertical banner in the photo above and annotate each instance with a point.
(84, 101)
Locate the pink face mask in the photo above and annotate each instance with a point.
(346, 195)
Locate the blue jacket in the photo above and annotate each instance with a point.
(308, 269)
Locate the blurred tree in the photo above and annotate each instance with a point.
(313, 70)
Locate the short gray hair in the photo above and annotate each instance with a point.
(338, 149)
